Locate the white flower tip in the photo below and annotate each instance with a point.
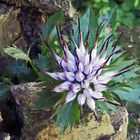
(75, 88)
(81, 99)
(100, 87)
(62, 87)
(56, 90)
(91, 104)
(97, 95)
(47, 73)
(79, 76)
(70, 96)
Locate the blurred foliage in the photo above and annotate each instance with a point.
(4, 91)
(127, 11)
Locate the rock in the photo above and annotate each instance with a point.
(131, 39)
(9, 27)
(46, 6)
(4, 136)
(9, 31)
(28, 18)
(91, 130)
(12, 120)
(38, 126)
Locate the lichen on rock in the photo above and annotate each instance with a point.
(38, 126)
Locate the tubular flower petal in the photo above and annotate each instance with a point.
(69, 55)
(93, 53)
(91, 103)
(70, 76)
(97, 95)
(70, 96)
(75, 87)
(86, 60)
(71, 67)
(80, 55)
(58, 59)
(82, 47)
(57, 75)
(53, 75)
(86, 93)
(62, 87)
(81, 99)
(85, 69)
(81, 67)
(105, 78)
(61, 75)
(79, 76)
(88, 69)
(100, 87)
(85, 84)
(63, 64)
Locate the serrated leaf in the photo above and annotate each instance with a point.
(68, 115)
(129, 94)
(105, 106)
(16, 53)
(87, 21)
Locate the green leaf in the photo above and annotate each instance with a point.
(45, 100)
(105, 106)
(119, 64)
(18, 68)
(128, 22)
(51, 24)
(129, 94)
(42, 61)
(120, 14)
(87, 21)
(127, 5)
(21, 71)
(68, 115)
(16, 53)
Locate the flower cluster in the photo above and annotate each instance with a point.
(83, 72)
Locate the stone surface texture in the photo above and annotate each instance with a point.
(9, 26)
(38, 125)
(49, 6)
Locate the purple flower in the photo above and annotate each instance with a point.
(83, 73)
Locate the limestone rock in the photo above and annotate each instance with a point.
(9, 32)
(38, 126)
(90, 130)
(46, 6)
(9, 26)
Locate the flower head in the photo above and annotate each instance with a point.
(83, 72)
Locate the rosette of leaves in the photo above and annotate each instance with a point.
(91, 65)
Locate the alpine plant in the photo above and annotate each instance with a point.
(83, 73)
